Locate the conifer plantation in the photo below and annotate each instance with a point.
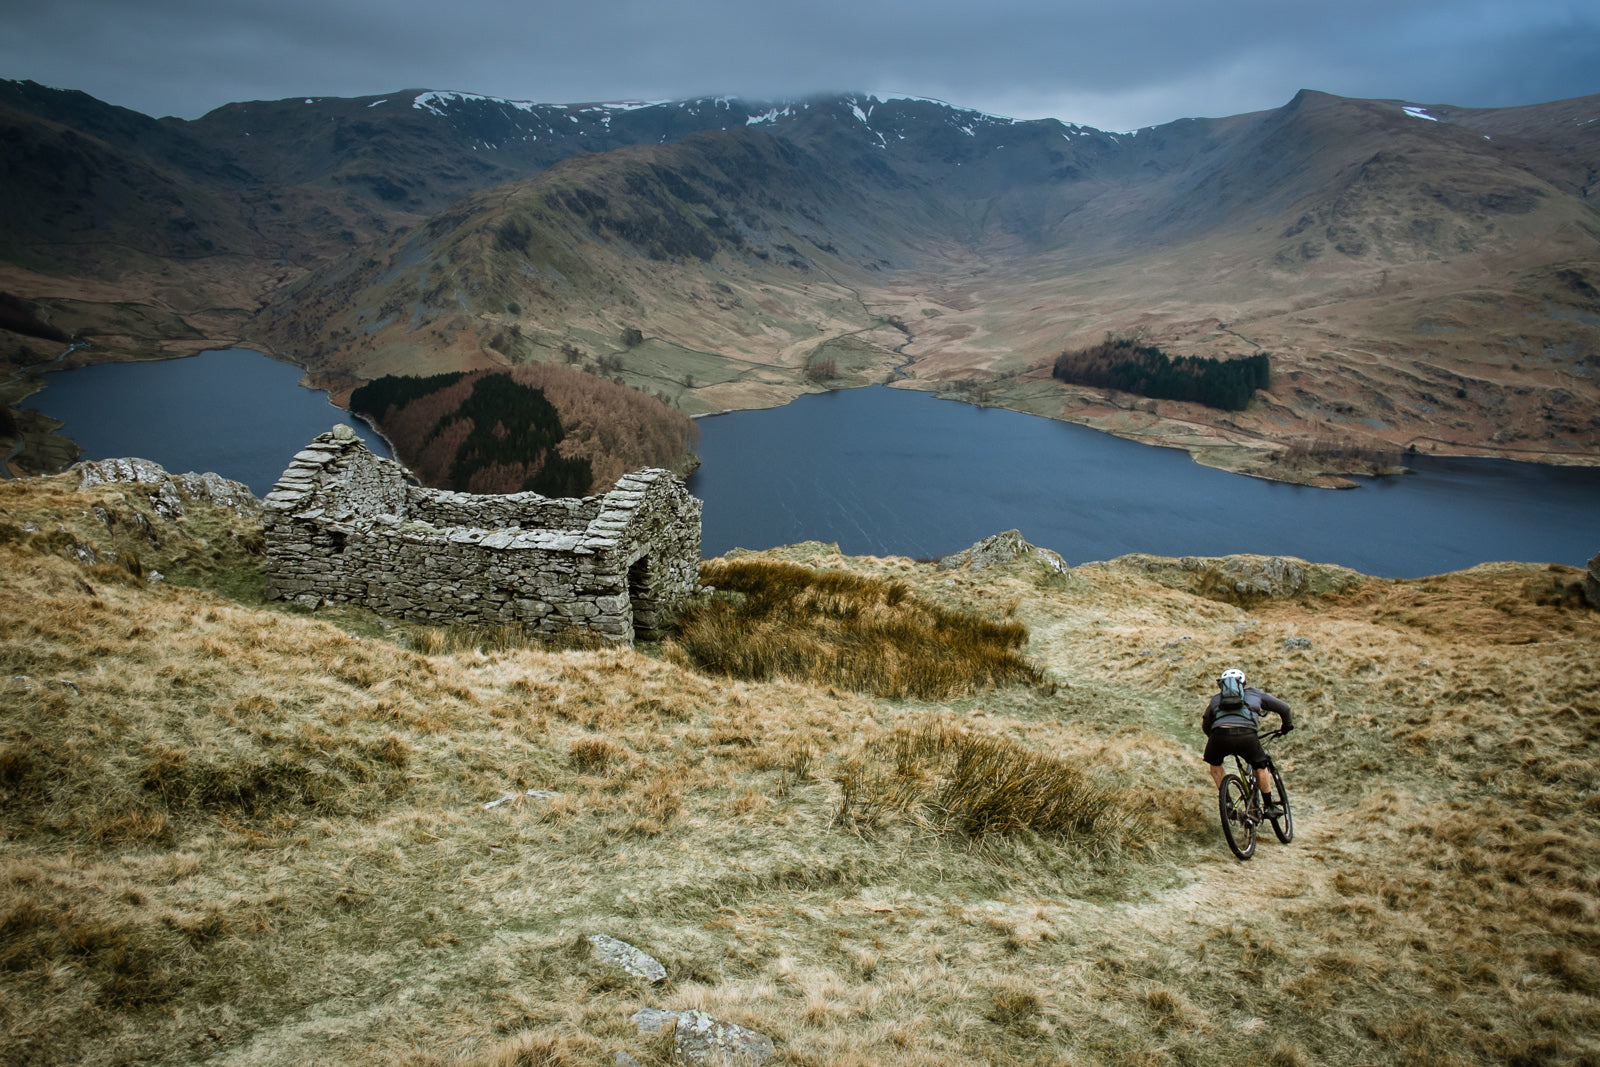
(550, 429)
(1226, 384)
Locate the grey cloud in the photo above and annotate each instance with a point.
(1126, 63)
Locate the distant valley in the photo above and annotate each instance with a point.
(1420, 277)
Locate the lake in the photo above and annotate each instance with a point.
(894, 472)
(234, 411)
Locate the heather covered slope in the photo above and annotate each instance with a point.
(251, 836)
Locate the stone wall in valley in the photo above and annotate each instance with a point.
(346, 526)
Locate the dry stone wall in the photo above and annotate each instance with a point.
(346, 526)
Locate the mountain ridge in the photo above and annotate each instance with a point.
(1383, 252)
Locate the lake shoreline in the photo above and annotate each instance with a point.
(1125, 416)
(1218, 445)
(883, 474)
(236, 412)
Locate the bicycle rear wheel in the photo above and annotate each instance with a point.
(1238, 825)
(1282, 825)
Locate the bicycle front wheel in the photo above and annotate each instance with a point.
(1238, 825)
(1282, 825)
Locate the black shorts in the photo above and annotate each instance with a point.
(1228, 741)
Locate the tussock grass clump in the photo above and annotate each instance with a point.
(854, 631)
(118, 956)
(948, 779)
(443, 640)
(593, 755)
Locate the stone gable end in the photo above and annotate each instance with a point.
(346, 526)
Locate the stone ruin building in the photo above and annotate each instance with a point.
(346, 526)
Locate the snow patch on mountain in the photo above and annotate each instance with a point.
(437, 101)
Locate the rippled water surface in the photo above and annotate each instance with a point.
(234, 412)
(893, 472)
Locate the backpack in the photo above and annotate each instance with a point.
(1232, 694)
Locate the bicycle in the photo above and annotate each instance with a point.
(1239, 803)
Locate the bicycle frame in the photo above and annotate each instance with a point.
(1240, 805)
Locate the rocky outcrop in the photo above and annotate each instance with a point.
(999, 550)
(1272, 577)
(1591, 582)
(1245, 578)
(346, 526)
(168, 492)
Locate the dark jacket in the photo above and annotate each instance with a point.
(1255, 702)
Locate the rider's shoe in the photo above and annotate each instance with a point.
(1273, 810)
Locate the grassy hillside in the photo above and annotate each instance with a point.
(255, 836)
(707, 272)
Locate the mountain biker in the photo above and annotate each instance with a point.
(1230, 724)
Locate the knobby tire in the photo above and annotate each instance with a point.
(1282, 825)
(1233, 802)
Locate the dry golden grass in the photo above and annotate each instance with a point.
(948, 779)
(856, 631)
(248, 836)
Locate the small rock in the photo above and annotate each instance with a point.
(699, 1037)
(621, 954)
(1292, 643)
(652, 1020)
(167, 502)
(538, 794)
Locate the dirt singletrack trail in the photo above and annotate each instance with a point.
(1226, 888)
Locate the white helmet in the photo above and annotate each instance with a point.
(1232, 672)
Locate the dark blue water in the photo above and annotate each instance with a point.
(234, 412)
(893, 472)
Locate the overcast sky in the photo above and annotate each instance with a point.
(1113, 64)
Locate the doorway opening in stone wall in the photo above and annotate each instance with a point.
(646, 621)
